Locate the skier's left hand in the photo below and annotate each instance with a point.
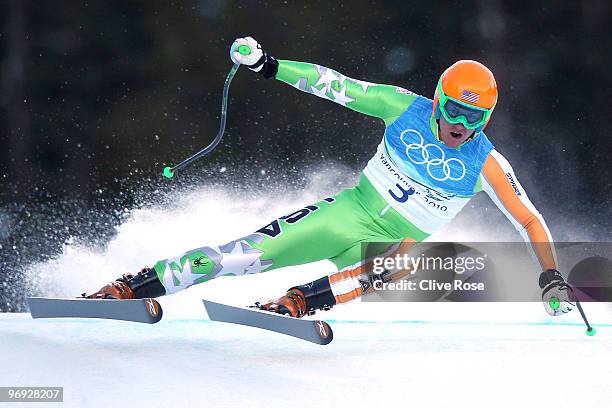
(557, 296)
(255, 58)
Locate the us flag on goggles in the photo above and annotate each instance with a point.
(470, 96)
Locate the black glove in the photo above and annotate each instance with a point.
(557, 296)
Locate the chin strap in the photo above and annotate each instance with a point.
(472, 136)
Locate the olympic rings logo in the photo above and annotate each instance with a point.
(426, 154)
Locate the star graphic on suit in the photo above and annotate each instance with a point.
(341, 97)
(181, 271)
(320, 93)
(327, 77)
(364, 84)
(238, 262)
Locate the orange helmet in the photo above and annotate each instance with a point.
(472, 91)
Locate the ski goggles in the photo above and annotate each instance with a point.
(454, 111)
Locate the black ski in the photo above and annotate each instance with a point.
(133, 310)
(315, 331)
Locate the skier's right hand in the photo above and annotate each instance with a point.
(558, 297)
(248, 52)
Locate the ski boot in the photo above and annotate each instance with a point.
(145, 284)
(302, 300)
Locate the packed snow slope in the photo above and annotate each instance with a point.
(195, 362)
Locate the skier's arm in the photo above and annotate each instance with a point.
(386, 102)
(501, 184)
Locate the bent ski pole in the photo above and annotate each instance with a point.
(169, 170)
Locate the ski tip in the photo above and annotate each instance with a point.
(30, 301)
(324, 331)
(36, 307)
(209, 307)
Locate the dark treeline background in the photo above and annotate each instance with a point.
(96, 96)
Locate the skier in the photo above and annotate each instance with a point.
(433, 158)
